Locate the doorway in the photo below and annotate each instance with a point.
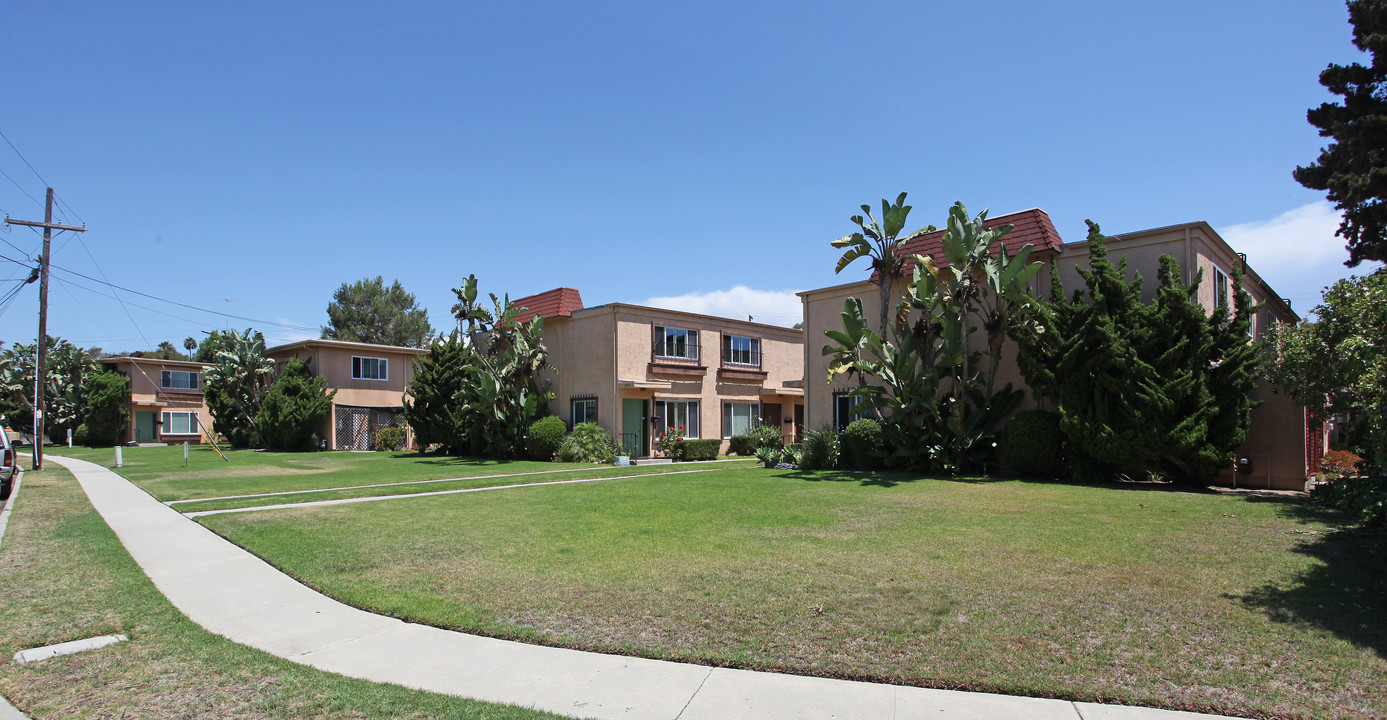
(144, 425)
(635, 427)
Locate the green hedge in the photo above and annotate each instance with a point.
(697, 450)
(742, 445)
(1033, 444)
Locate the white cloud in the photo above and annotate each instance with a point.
(773, 307)
(1295, 239)
(1296, 252)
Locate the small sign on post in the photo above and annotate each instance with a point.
(69, 438)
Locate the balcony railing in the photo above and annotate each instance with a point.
(741, 358)
(678, 351)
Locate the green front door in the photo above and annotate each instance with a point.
(635, 424)
(144, 426)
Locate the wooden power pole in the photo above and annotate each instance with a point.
(48, 227)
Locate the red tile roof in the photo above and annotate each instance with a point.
(1030, 226)
(559, 302)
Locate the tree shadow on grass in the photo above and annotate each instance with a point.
(861, 477)
(446, 460)
(1345, 593)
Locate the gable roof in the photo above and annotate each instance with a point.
(559, 302)
(1030, 226)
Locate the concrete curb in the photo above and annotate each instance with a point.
(230, 592)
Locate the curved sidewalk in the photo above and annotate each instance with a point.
(235, 594)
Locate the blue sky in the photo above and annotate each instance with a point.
(699, 156)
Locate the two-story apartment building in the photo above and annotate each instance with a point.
(166, 400)
(370, 381)
(1281, 448)
(639, 370)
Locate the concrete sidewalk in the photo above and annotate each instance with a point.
(232, 593)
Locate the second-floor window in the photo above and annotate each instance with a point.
(740, 350)
(370, 368)
(673, 342)
(178, 380)
(1220, 287)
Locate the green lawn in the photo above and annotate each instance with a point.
(161, 471)
(1235, 604)
(1184, 600)
(65, 576)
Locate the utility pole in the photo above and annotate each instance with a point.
(48, 227)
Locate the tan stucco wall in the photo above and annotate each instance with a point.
(606, 352)
(147, 396)
(333, 362)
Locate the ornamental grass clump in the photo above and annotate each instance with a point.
(588, 442)
(819, 451)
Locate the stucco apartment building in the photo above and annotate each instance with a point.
(636, 370)
(1282, 449)
(370, 381)
(166, 400)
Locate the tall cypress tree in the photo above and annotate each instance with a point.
(1143, 387)
(431, 408)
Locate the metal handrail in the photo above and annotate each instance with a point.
(665, 349)
(728, 354)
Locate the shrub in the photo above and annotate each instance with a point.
(862, 444)
(544, 437)
(82, 435)
(820, 450)
(697, 449)
(392, 437)
(1364, 497)
(767, 436)
(1339, 463)
(1033, 444)
(589, 442)
(742, 445)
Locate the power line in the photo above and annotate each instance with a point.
(21, 188)
(21, 157)
(287, 326)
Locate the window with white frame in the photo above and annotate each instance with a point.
(1220, 287)
(583, 410)
(843, 406)
(739, 418)
(673, 342)
(741, 350)
(179, 423)
(370, 368)
(674, 414)
(178, 380)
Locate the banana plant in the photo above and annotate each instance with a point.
(880, 241)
